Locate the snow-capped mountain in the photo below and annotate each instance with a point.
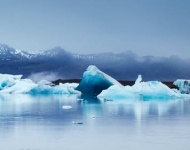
(9, 54)
(125, 66)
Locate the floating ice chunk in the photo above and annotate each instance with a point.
(19, 86)
(140, 90)
(94, 81)
(41, 89)
(58, 89)
(80, 99)
(78, 122)
(94, 116)
(116, 92)
(154, 89)
(105, 100)
(183, 85)
(14, 84)
(67, 107)
(7, 80)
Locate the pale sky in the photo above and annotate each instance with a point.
(146, 27)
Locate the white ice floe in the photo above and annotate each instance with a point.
(14, 84)
(141, 90)
(66, 107)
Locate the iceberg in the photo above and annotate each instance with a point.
(141, 90)
(67, 88)
(14, 84)
(7, 80)
(19, 86)
(94, 81)
(183, 85)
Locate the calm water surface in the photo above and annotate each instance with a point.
(40, 123)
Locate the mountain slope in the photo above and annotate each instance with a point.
(124, 66)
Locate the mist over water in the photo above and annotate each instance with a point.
(50, 76)
(39, 123)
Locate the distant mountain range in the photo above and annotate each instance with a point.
(122, 66)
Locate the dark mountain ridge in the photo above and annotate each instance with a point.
(122, 66)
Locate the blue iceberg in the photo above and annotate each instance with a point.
(183, 85)
(94, 81)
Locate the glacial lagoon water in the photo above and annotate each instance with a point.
(40, 123)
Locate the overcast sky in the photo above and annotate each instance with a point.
(146, 27)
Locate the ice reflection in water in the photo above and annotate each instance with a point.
(40, 123)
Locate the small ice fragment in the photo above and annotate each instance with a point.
(67, 107)
(79, 122)
(94, 117)
(107, 100)
(80, 99)
(84, 101)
